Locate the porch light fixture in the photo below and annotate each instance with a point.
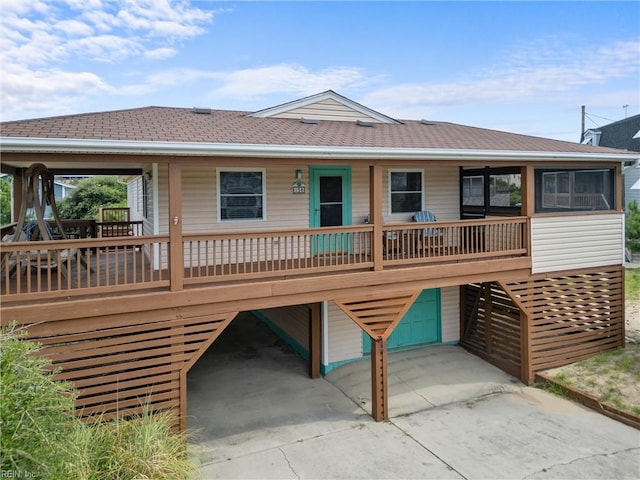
(298, 187)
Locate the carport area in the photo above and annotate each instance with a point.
(255, 413)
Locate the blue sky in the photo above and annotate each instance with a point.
(524, 67)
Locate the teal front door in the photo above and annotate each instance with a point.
(420, 325)
(330, 206)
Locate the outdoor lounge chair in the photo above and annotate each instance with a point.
(429, 237)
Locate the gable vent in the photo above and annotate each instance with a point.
(310, 121)
(364, 123)
(202, 111)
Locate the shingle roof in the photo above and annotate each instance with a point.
(621, 134)
(168, 124)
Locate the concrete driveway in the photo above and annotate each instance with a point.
(256, 414)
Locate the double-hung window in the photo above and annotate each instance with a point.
(241, 194)
(405, 191)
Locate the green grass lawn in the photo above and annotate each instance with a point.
(632, 284)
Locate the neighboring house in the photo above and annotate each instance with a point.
(623, 134)
(303, 213)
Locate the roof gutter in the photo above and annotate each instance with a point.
(60, 145)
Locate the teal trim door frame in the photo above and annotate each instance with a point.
(421, 325)
(330, 205)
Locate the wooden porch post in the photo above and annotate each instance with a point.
(176, 251)
(379, 393)
(488, 320)
(528, 191)
(528, 202)
(375, 214)
(315, 340)
(525, 357)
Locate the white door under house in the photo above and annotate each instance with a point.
(420, 325)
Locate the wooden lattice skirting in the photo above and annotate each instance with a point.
(125, 363)
(550, 319)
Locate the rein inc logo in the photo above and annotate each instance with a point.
(18, 474)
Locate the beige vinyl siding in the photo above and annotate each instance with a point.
(286, 210)
(135, 198)
(360, 194)
(200, 201)
(327, 109)
(440, 194)
(345, 337)
(293, 320)
(450, 314)
(571, 242)
(162, 200)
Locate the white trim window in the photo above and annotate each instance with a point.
(241, 194)
(405, 191)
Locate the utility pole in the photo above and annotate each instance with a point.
(582, 123)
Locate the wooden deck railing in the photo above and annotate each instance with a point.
(412, 243)
(39, 270)
(62, 268)
(215, 257)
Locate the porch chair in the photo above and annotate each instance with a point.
(428, 238)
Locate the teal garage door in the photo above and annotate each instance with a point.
(421, 324)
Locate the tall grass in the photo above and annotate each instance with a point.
(42, 438)
(632, 284)
(140, 447)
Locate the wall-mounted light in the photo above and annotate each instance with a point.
(298, 186)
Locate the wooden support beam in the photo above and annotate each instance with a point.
(176, 250)
(528, 191)
(315, 340)
(257, 295)
(375, 214)
(379, 392)
(619, 186)
(488, 320)
(526, 372)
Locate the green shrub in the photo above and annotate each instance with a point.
(42, 438)
(36, 414)
(632, 221)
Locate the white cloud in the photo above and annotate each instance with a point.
(160, 53)
(40, 32)
(43, 38)
(535, 74)
(73, 28)
(285, 78)
(50, 91)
